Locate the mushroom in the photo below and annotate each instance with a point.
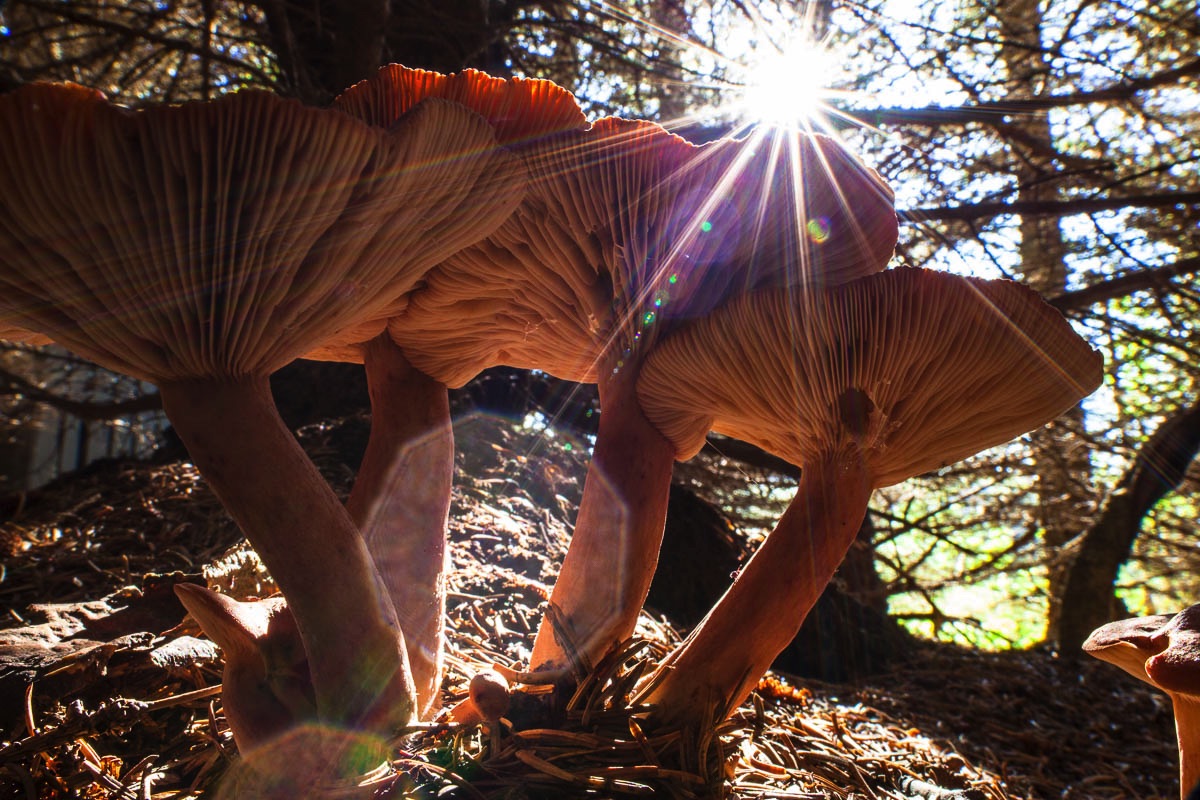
(13, 333)
(265, 687)
(205, 245)
(863, 386)
(488, 699)
(1163, 651)
(680, 225)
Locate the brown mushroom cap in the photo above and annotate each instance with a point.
(531, 296)
(691, 226)
(1177, 667)
(14, 333)
(862, 385)
(490, 693)
(916, 368)
(208, 245)
(226, 237)
(520, 112)
(1127, 643)
(628, 229)
(1162, 650)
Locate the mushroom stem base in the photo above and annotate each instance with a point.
(1187, 729)
(721, 662)
(401, 501)
(610, 563)
(308, 542)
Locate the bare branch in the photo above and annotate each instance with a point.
(995, 112)
(1123, 285)
(1049, 208)
(16, 385)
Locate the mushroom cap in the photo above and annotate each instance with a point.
(693, 225)
(520, 110)
(532, 295)
(628, 229)
(227, 238)
(490, 693)
(14, 333)
(1127, 643)
(1162, 650)
(914, 368)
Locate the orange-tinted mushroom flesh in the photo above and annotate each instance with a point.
(862, 386)
(488, 699)
(1163, 651)
(257, 469)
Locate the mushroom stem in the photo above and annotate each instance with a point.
(610, 563)
(265, 687)
(401, 501)
(307, 540)
(1187, 729)
(718, 665)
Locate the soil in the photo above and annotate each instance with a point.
(107, 691)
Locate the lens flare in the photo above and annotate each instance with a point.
(818, 229)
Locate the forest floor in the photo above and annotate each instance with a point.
(104, 692)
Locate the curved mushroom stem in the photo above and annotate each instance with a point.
(715, 669)
(309, 543)
(618, 531)
(401, 501)
(1187, 729)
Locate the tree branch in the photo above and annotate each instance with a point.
(996, 111)
(1123, 285)
(91, 411)
(1053, 208)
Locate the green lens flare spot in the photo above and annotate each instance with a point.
(818, 229)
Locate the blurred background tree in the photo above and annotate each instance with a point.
(1055, 143)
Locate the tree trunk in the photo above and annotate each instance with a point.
(323, 48)
(1062, 466)
(1087, 599)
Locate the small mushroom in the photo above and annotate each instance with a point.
(265, 688)
(1163, 651)
(863, 386)
(488, 699)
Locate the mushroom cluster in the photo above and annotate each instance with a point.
(432, 226)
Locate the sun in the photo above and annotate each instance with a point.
(787, 85)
